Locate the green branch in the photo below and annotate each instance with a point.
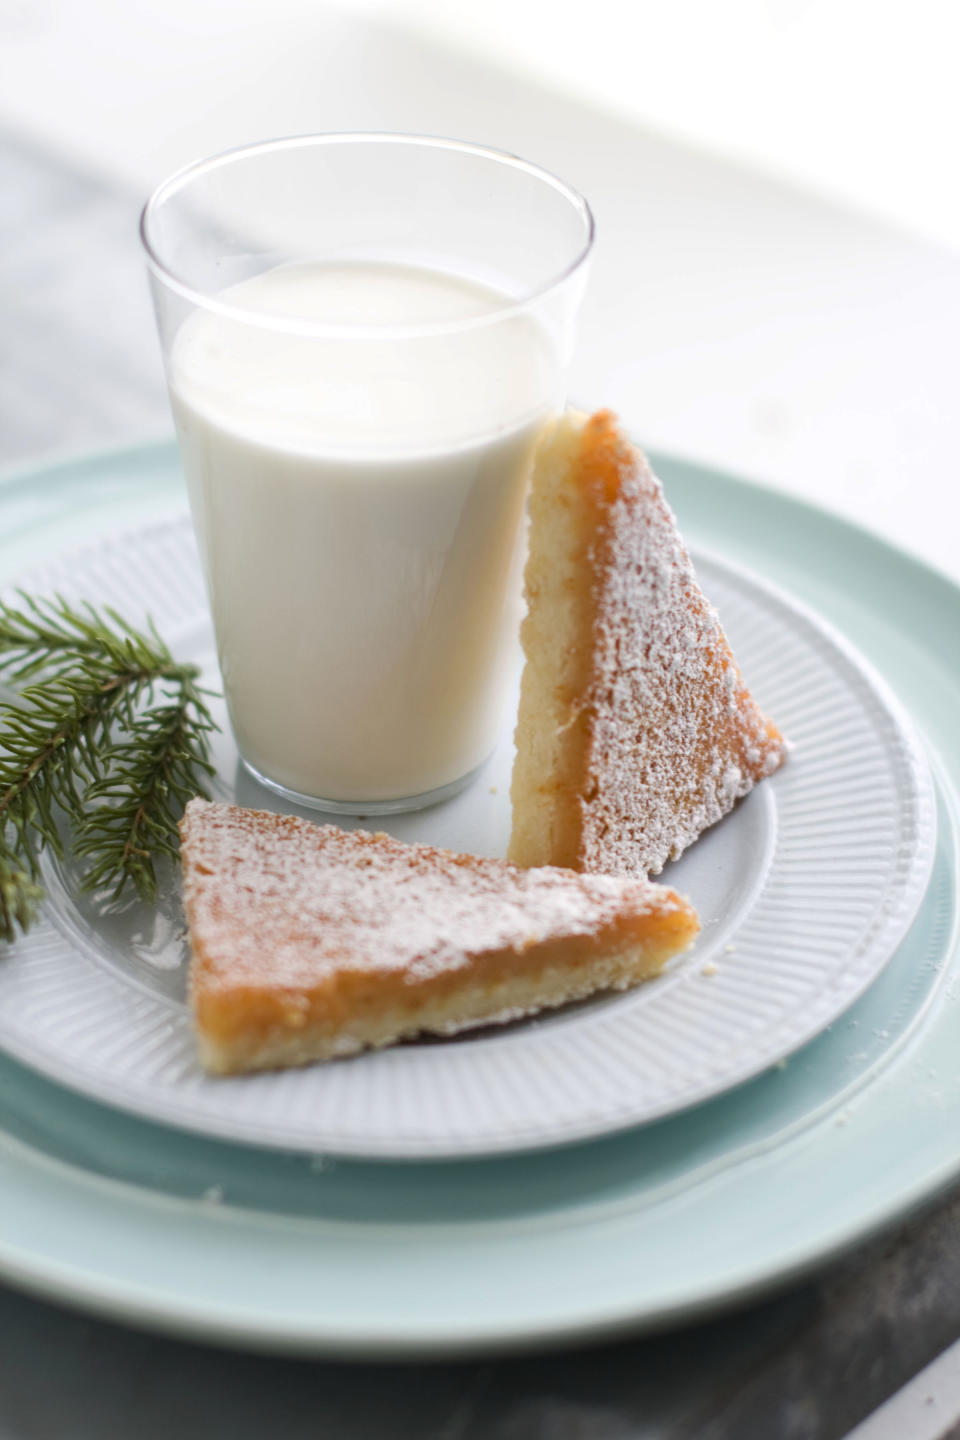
(110, 736)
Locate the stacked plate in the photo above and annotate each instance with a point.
(781, 1090)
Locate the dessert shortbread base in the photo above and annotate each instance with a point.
(513, 997)
(552, 733)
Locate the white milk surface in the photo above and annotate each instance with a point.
(358, 500)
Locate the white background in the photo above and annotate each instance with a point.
(776, 287)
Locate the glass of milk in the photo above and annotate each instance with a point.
(364, 336)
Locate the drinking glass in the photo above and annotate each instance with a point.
(364, 336)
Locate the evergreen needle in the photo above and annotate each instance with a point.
(110, 734)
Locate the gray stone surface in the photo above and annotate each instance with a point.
(805, 1366)
(79, 363)
(79, 368)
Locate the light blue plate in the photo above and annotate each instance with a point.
(658, 1225)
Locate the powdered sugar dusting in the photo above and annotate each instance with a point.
(278, 900)
(676, 738)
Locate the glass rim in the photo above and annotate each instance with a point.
(512, 305)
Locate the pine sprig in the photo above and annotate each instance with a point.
(49, 635)
(111, 734)
(148, 776)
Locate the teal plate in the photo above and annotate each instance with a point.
(302, 1254)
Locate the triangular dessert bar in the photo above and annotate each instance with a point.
(636, 730)
(310, 942)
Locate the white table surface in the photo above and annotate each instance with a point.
(728, 319)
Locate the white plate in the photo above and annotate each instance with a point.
(803, 892)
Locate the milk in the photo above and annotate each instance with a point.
(358, 500)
